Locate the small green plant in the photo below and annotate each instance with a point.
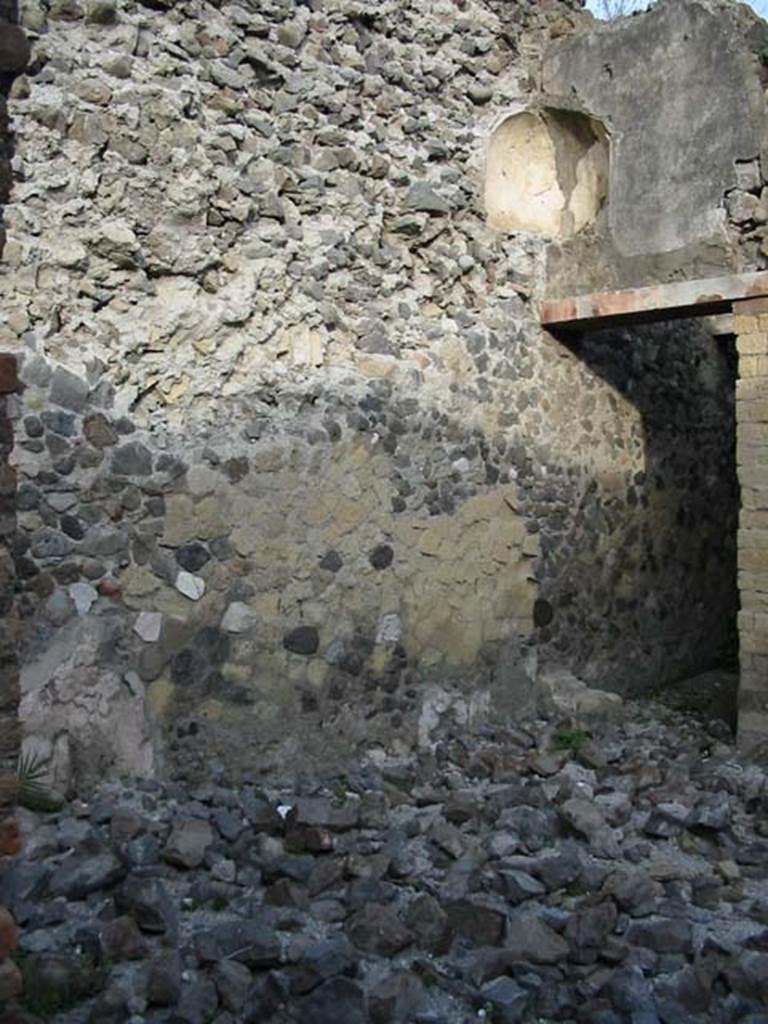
(340, 793)
(60, 987)
(571, 740)
(31, 791)
(46, 1002)
(44, 999)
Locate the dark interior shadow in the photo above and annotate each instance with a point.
(641, 575)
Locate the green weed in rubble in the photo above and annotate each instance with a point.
(48, 995)
(571, 740)
(31, 792)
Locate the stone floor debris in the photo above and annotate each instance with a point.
(535, 872)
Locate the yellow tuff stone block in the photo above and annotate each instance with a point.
(753, 559)
(752, 344)
(160, 695)
(753, 366)
(754, 538)
(745, 324)
(753, 411)
(748, 389)
(753, 643)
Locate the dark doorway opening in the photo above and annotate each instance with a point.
(658, 614)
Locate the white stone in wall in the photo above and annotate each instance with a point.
(238, 618)
(390, 629)
(61, 501)
(190, 586)
(148, 626)
(83, 595)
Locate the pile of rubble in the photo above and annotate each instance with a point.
(531, 874)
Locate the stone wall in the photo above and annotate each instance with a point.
(14, 54)
(10, 734)
(298, 471)
(752, 414)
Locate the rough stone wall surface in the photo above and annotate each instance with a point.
(298, 469)
(752, 439)
(14, 53)
(10, 733)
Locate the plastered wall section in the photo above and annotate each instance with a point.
(752, 457)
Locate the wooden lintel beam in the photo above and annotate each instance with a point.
(677, 300)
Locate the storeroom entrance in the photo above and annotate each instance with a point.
(745, 298)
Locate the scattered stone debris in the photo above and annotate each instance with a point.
(533, 873)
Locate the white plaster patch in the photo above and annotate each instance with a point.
(190, 586)
(148, 626)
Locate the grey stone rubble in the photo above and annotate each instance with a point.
(532, 873)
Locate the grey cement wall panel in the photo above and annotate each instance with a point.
(679, 90)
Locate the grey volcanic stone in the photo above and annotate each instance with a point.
(712, 812)
(326, 959)
(132, 459)
(164, 979)
(197, 1003)
(99, 431)
(508, 1000)
(382, 556)
(397, 999)
(59, 422)
(50, 544)
(476, 920)
(122, 940)
(663, 935)
(68, 390)
(233, 981)
(192, 556)
(148, 901)
(429, 924)
(377, 929)
(302, 640)
(422, 198)
(331, 561)
(322, 812)
(529, 938)
(37, 371)
(519, 886)
(14, 48)
(22, 882)
(251, 942)
(86, 873)
(631, 993)
(338, 1001)
(187, 843)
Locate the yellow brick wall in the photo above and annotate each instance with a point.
(752, 457)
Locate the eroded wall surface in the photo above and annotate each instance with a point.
(680, 91)
(299, 473)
